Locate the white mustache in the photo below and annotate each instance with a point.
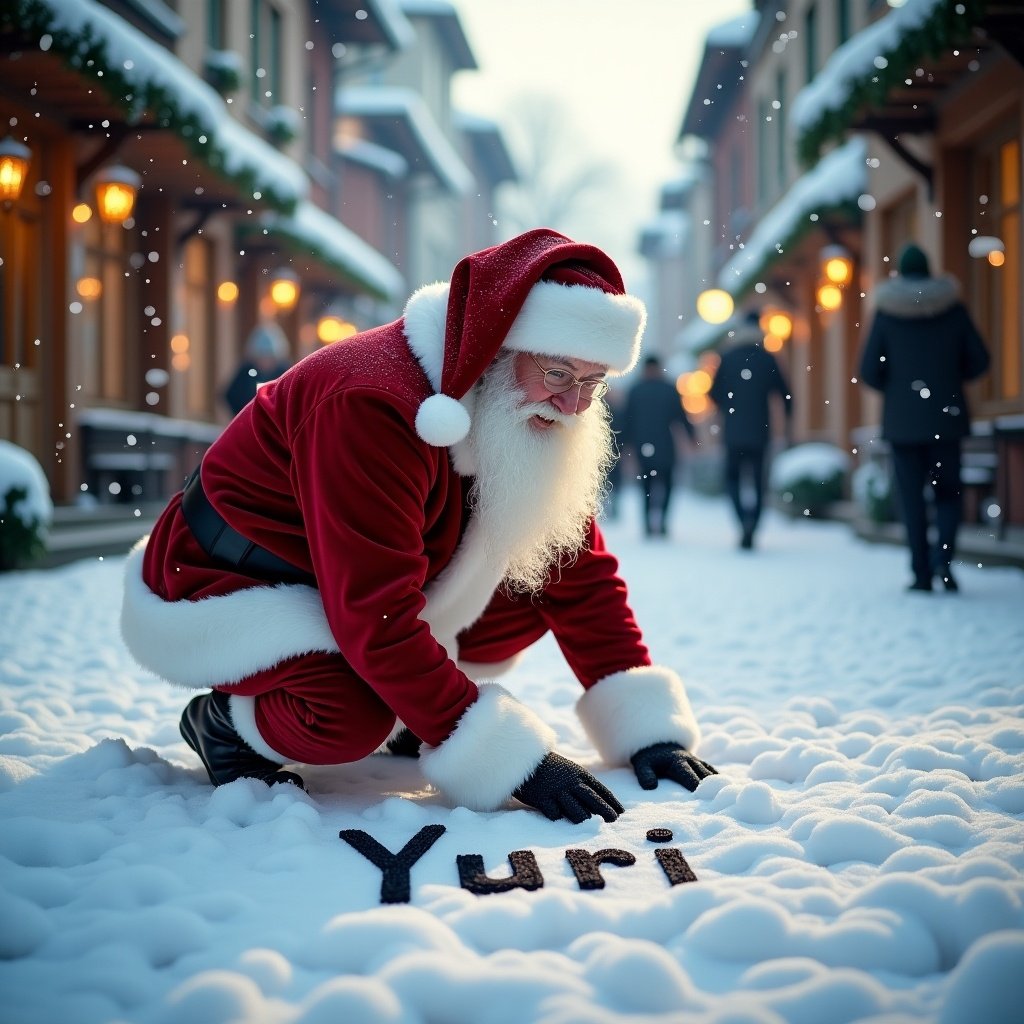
(547, 411)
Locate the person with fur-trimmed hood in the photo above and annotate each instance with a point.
(388, 525)
(921, 349)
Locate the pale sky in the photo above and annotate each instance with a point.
(625, 68)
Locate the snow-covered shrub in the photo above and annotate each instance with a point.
(808, 477)
(26, 510)
(224, 71)
(872, 491)
(282, 124)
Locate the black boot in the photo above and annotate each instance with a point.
(207, 728)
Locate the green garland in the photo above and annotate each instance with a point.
(86, 53)
(944, 30)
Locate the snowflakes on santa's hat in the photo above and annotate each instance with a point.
(540, 292)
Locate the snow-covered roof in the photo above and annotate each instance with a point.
(380, 158)
(376, 101)
(735, 33)
(78, 29)
(488, 139)
(399, 33)
(327, 237)
(664, 236)
(839, 178)
(449, 25)
(864, 59)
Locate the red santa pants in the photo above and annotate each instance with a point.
(314, 709)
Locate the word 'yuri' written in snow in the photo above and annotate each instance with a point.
(395, 867)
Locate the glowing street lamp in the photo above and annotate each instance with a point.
(778, 323)
(284, 288)
(830, 296)
(116, 188)
(14, 161)
(714, 305)
(333, 327)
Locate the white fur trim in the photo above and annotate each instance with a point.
(577, 322)
(442, 421)
(424, 320)
(495, 747)
(220, 640)
(630, 710)
(243, 717)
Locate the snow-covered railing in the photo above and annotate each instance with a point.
(862, 71)
(338, 246)
(144, 77)
(837, 181)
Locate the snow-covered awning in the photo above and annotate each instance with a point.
(145, 78)
(486, 137)
(664, 236)
(429, 149)
(337, 246)
(369, 154)
(449, 27)
(837, 181)
(863, 70)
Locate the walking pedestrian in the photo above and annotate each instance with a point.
(266, 358)
(653, 421)
(920, 351)
(746, 378)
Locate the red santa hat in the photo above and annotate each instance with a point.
(539, 292)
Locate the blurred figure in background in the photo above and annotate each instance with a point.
(745, 380)
(921, 348)
(654, 416)
(616, 402)
(266, 358)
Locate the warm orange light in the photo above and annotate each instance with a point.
(284, 289)
(830, 297)
(696, 383)
(695, 405)
(777, 322)
(333, 328)
(14, 160)
(837, 265)
(714, 305)
(773, 343)
(89, 287)
(116, 188)
(179, 343)
(181, 361)
(82, 213)
(227, 292)
(996, 258)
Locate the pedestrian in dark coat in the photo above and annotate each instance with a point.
(921, 349)
(654, 411)
(744, 382)
(266, 358)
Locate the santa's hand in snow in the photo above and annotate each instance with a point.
(669, 761)
(386, 527)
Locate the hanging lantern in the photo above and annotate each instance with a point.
(284, 288)
(116, 188)
(14, 162)
(837, 265)
(714, 305)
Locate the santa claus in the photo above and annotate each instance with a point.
(384, 528)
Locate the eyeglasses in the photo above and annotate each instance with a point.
(558, 381)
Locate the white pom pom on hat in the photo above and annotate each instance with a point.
(539, 292)
(442, 421)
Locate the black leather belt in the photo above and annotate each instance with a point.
(227, 546)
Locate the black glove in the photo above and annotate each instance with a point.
(560, 788)
(669, 761)
(404, 744)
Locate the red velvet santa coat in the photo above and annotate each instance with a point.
(325, 469)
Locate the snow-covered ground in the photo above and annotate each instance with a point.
(859, 857)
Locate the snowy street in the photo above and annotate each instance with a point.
(859, 858)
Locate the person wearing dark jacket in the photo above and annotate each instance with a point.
(266, 358)
(746, 378)
(653, 411)
(920, 350)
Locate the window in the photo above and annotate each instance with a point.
(266, 32)
(811, 40)
(216, 36)
(98, 333)
(995, 299)
(192, 348)
(842, 21)
(763, 124)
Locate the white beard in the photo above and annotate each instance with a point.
(535, 491)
